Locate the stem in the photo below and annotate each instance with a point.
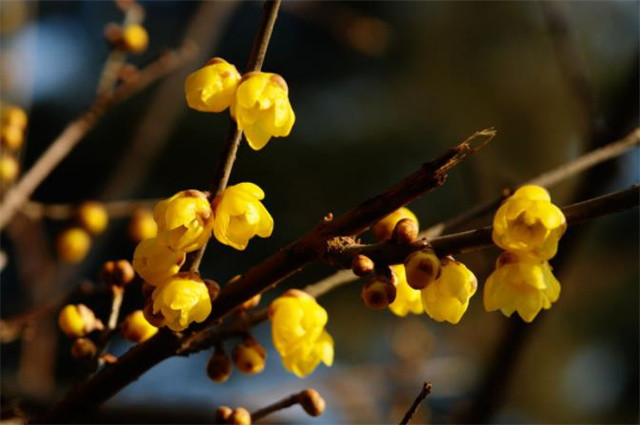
(426, 390)
(292, 400)
(234, 135)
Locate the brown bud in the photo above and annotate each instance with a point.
(219, 366)
(240, 416)
(83, 348)
(406, 231)
(362, 265)
(156, 319)
(113, 33)
(213, 287)
(422, 268)
(222, 415)
(118, 273)
(312, 402)
(108, 358)
(378, 293)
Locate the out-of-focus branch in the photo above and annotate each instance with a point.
(36, 210)
(426, 390)
(77, 129)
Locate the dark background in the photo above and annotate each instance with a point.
(378, 88)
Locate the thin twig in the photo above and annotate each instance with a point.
(286, 402)
(426, 390)
(234, 135)
(547, 179)
(77, 129)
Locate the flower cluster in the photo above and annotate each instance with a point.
(258, 101)
(298, 331)
(528, 227)
(184, 223)
(13, 122)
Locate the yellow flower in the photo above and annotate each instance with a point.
(407, 300)
(142, 225)
(14, 116)
(155, 262)
(447, 298)
(93, 217)
(520, 284)
(9, 169)
(73, 244)
(212, 87)
(297, 326)
(134, 39)
(261, 108)
(239, 216)
(184, 220)
(136, 328)
(76, 321)
(11, 136)
(383, 229)
(181, 300)
(529, 223)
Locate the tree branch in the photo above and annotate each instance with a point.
(426, 390)
(77, 129)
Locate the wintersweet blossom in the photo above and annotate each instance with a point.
(447, 298)
(184, 220)
(239, 216)
(528, 223)
(212, 87)
(298, 331)
(262, 109)
(521, 283)
(182, 300)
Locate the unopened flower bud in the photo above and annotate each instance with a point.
(237, 416)
(73, 244)
(383, 229)
(11, 137)
(118, 273)
(14, 116)
(136, 328)
(135, 39)
(249, 356)
(380, 291)
(9, 169)
(76, 321)
(406, 231)
(312, 402)
(93, 217)
(142, 225)
(219, 366)
(83, 348)
(422, 268)
(240, 416)
(362, 265)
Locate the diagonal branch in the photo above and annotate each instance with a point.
(75, 131)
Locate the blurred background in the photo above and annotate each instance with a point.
(378, 88)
